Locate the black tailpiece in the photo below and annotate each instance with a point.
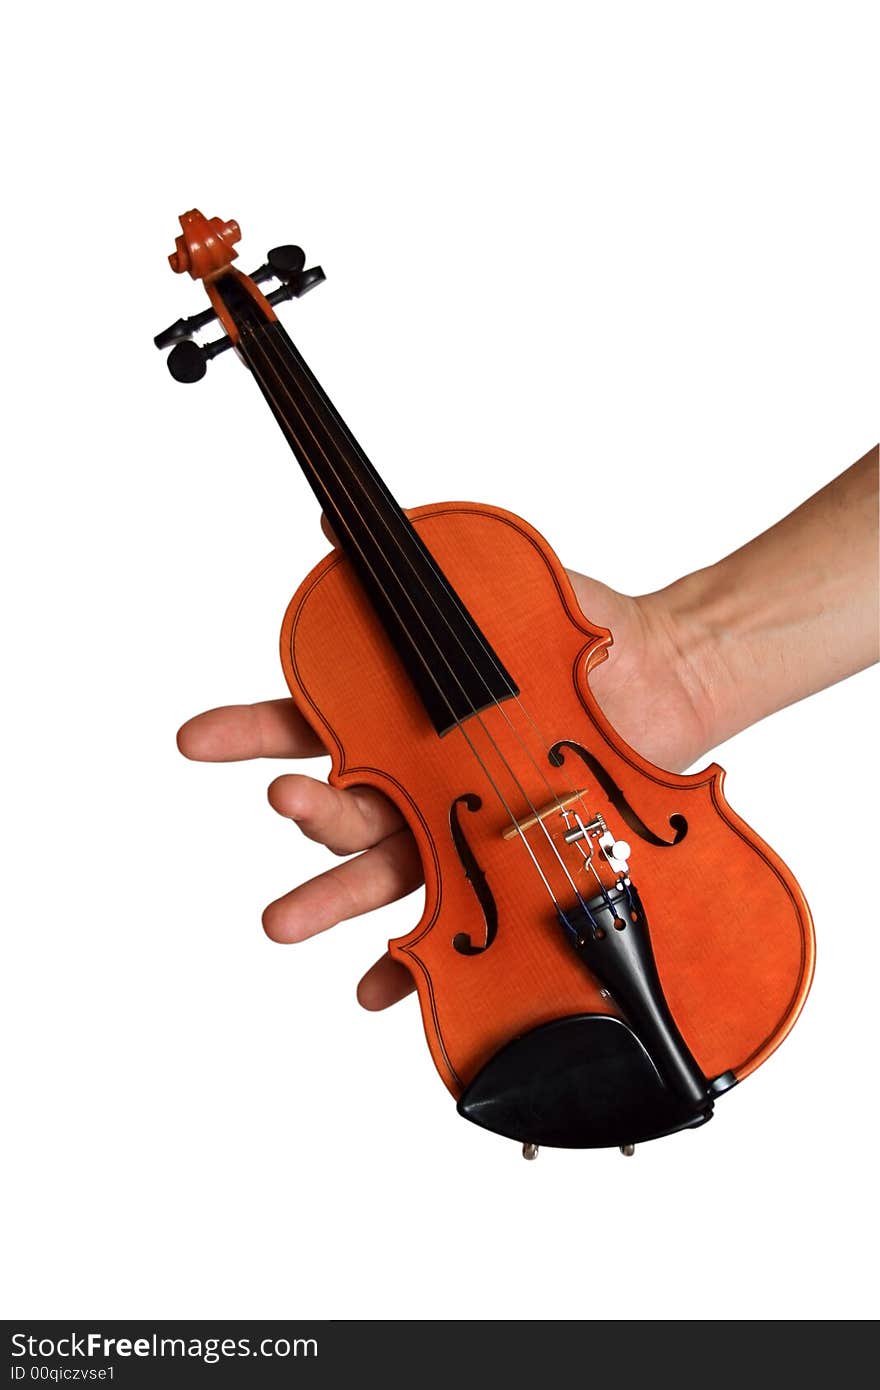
(592, 1080)
(610, 934)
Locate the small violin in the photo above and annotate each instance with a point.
(606, 948)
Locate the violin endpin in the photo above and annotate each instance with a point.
(530, 1151)
(627, 1150)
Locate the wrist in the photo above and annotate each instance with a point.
(789, 613)
(657, 687)
(688, 623)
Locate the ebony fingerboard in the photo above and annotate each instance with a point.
(445, 655)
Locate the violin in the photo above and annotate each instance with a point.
(606, 948)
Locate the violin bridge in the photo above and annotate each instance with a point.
(559, 804)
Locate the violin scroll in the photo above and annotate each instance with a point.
(205, 250)
(205, 246)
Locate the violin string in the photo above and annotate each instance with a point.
(277, 336)
(432, 676)
(326, 404)
(253, 342)
(328, 408)
(473, 749)
(538, 818)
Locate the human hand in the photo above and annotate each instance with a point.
(646, 689)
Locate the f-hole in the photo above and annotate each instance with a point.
(616, 797)
(462, 941)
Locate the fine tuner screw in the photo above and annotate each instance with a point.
(188, 361)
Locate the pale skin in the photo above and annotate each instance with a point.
(791, 612)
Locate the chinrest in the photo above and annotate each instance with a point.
(580, 1082)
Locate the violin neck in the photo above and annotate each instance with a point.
(446, 656)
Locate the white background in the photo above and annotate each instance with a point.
(613, 267)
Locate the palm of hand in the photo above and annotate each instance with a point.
(647, 688)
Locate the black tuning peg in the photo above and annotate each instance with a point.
(287, 264)
(286, 261)
(297, 285)
(188, 361)
(183, 328)
(308, 279)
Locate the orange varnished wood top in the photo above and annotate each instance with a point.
(731, 930)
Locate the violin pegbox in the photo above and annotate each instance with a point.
(205, 250)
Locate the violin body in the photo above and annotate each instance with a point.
(728, 921)
(577, 988)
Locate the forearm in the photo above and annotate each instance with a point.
(789, 613)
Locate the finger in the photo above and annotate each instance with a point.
(380, 875)
(344, 821)
(270, 729)
(385, 983)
